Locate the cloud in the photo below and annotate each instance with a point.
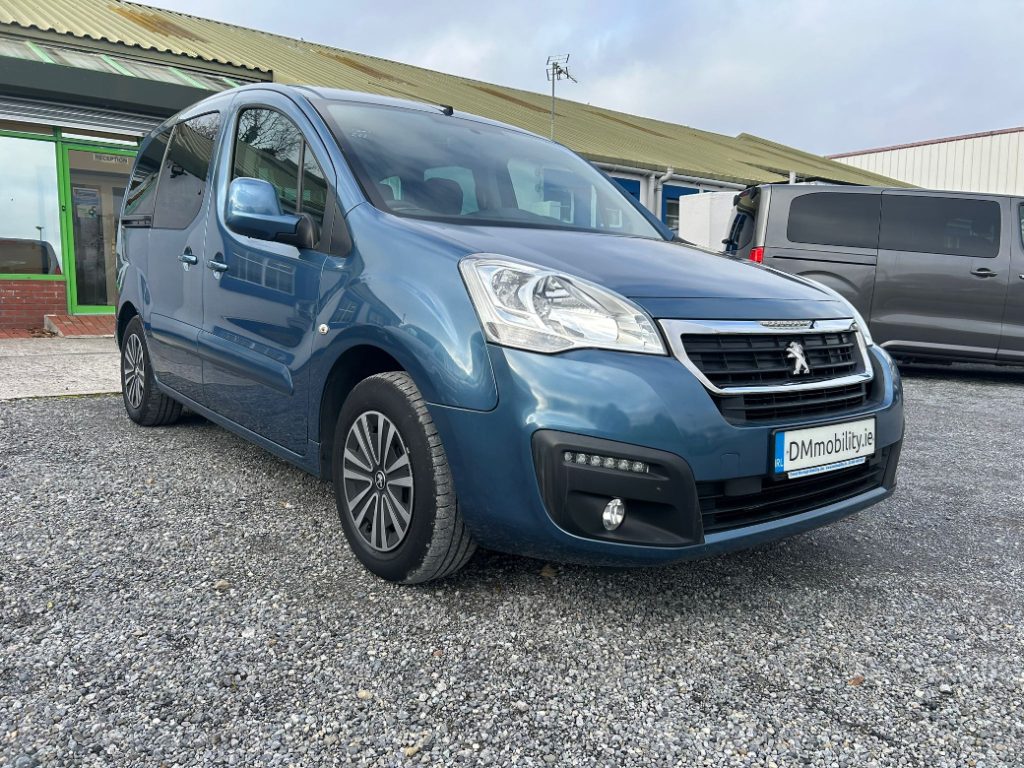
(825, 77)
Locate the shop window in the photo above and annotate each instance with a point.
(100, 136)
(29, 208)
(16, 127)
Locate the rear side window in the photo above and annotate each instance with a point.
(947, 225)
(185, 171)
(141, 195)
(834, 218)
(270, 147)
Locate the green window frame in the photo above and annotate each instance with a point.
(61, 147)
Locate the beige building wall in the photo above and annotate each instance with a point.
(990, 162)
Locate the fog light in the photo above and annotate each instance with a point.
(613, 515)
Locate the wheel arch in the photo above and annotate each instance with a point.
(352, 366)
(124, 316)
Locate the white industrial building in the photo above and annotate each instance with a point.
(991, 162)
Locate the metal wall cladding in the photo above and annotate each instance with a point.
(599, 134)
(992, 163)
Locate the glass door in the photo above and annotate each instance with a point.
(94, 187)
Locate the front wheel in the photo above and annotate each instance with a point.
(393, 486)
(145, 404)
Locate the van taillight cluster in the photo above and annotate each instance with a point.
(757, 254)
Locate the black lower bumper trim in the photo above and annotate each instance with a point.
(661, 503)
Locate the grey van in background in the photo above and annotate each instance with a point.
(936, 275)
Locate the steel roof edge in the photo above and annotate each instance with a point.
(126, 44)
(927, 142)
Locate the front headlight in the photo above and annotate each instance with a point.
(528, 307)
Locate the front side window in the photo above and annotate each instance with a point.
(141, 196)
(947, 225)
(185, 171)
(428, 165)
(271, 147)
(846, 220)
(29, 209)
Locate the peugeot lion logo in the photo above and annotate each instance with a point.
(795, 352)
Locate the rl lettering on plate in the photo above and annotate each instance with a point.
(824, 448)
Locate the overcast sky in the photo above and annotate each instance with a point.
(822, 76)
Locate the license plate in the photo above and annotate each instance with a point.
(811, 451)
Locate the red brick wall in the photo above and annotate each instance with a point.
(24, 302)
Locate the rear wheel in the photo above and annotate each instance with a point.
(392, 484)
(145, 404)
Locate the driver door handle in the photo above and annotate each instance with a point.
(983, 272)
(188, 257)
(216, 265)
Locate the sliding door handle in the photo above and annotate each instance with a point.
(215, 265)
(983, 272)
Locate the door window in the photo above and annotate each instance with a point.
(947, 225)
(98, 181)
(185, 170)
(270, 147)
(834, 218)
(142, 192)
(314, 189)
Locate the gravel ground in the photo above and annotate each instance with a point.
(178, 597)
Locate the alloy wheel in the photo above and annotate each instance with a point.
(134, 371)
(378, 481)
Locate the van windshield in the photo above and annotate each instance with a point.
(431, 166)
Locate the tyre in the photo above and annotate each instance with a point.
(393, 486)
(146, 405)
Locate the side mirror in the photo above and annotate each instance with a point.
(253, 210)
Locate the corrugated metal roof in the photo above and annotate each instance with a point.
(600, 134)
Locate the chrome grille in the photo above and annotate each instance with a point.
(748, 371)
(760, 359)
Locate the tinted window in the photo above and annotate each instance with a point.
(270, 147)
(314, 189)
(186, 168)
(425, 164)
(141, 191)
(834, 218)
(958, 227)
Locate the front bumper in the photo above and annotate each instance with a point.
(517, 494)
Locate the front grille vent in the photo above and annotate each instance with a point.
(762, 360)
(786, 406)
(777, 498)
